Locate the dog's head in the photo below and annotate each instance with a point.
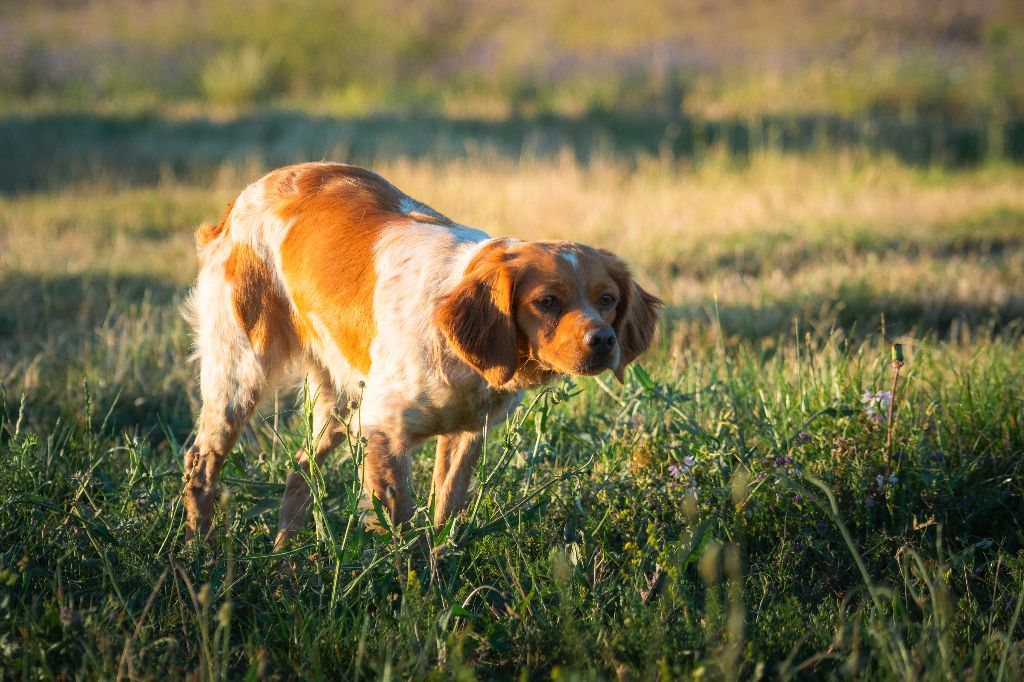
(545, 308)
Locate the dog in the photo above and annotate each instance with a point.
(328, 270)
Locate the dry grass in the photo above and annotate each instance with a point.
(779, 237)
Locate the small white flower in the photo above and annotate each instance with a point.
(683, 469)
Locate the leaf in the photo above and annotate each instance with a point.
(643, 378)
(39, 501)
(382, 517)
(696, 548)
(94, 524)
(260, 509)
(521, 607)
(501, 525)
(457, 610)
(442, 535)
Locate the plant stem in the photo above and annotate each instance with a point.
(897, 363)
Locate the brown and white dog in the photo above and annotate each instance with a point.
(329, 270)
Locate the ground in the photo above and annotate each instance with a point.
(732, 510)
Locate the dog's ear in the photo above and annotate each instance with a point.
(636, 314)
(478, 320)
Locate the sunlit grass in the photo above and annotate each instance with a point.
(670, 526)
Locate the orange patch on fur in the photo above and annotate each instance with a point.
(259, 308)
(476, 316)
(336, 213)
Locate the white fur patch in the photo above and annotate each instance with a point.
(343, 375)
(408, 389)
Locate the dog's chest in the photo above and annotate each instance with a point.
(464, 408)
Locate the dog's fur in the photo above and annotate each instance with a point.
(330, 270)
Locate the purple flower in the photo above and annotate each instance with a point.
(797, 499)
(877, 404)
(802, 438)
(678, 471)
(881, 480)
(763, 475)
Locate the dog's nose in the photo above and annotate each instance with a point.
(600, 339)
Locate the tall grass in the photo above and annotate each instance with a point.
(582, 500)
(731, 512)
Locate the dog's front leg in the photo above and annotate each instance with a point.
(459, 454)
(387, 471)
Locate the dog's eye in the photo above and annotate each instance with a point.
(547, 302)
(606, 300)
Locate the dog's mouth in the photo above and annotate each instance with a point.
(588, 365)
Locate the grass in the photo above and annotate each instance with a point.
(729, 512)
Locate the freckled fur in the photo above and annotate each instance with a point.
(328, 269)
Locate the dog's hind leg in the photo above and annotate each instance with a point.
(328, 433)
(231, 389)
(245, 339)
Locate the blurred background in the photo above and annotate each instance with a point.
(932, 81)
(949, 61)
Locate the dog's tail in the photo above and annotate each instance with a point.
(208, 232)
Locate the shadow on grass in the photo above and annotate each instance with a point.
(33, 305)
(74, 343)
(855, 313)
(48, 150)
(995, 238)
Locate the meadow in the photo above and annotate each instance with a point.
(807, 185)
(732, 511)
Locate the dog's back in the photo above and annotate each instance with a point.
(293, 262)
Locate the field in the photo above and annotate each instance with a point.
(765, 496)
(732, 510)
